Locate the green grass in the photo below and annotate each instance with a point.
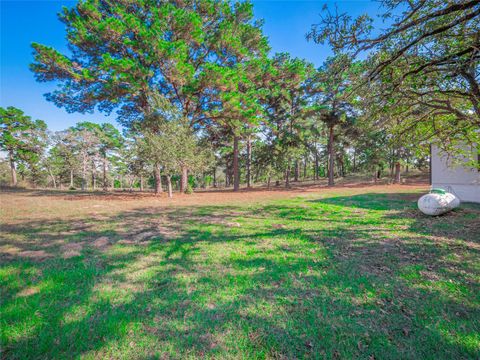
(360, 275)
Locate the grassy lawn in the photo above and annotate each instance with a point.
(337, 274)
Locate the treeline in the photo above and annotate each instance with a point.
(90, 156)
(203, 103)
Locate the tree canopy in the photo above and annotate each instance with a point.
(22, 138)
(202, 101)
(422, 73)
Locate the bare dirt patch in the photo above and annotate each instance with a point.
(28, 292)
(72, 250)
(97, 200)
(101, 242)
(142, 236)
(38, 255)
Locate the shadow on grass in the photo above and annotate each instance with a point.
(307, 279)
(456, 224)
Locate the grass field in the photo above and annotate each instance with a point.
(335, 274)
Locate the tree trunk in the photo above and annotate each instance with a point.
(184, 179)
(391, 163)
(268, 182)
(397, 173)
(297, 171)
(131, 182)
(94, 177)
(341, 169)
(169, 184)
(354, 160)
(230, 176)
(105, 184)
(315, 175)
(236, 172)
(249, 162)
(305, 168)
(214, 176)
(53, 178)
(287, 177)
(71, 178)
(13, 170)
(158, 180)
(227, 174)
(141, 182)
(331, 154)
(407, 160)
(84, 174)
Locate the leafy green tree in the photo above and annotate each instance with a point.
(54, 166)
(5, 173)
(63, 157)
(285, 104)
(124, 54)
(332, 87)
(173, 147)
(238, 110)
(422, 76)
(85, 138)
(111, 142)
(22, 138)
(372, 147)
(137, 165)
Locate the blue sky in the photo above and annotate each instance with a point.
(24, 22)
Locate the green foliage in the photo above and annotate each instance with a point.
(5, 178)
(207, 180)
(189, 189)
(188, 76)
(173, 146)
(285, 105)
(150, 49)
(421, 72)
(23, 139)
(20, 136)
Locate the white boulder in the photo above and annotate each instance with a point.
(437, 202)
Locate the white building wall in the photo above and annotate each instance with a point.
(462, 181)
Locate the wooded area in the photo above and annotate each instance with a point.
(203, 103)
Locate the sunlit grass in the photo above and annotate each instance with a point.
(346, 274)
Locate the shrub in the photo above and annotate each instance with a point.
(189, 189)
